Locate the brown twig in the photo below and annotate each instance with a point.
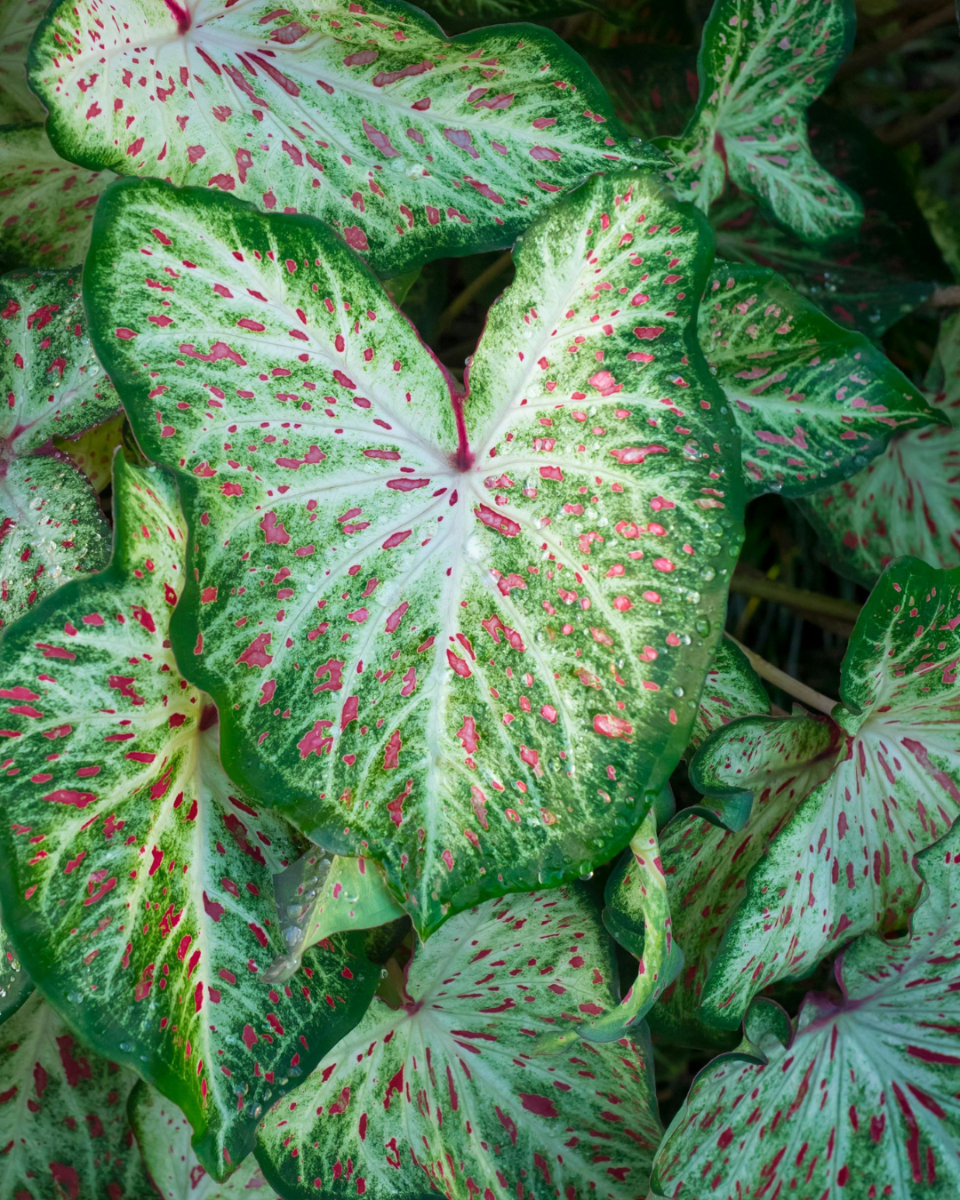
(793, 687)
(797, 599)
(868, 56)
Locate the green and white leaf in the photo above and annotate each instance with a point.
(732, 689)
(51, 526)
(862, 1099)
(843, 864)
(412, 145)
(18, 20)
(137, 881)
(46, 203)
(320, 895)
(814, 402)
(762, 63)
(163, 1134)
(430, 664)
(64, 1131)
(451, 1091)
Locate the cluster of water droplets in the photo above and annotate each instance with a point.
(295, 913)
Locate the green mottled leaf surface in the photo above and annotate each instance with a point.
(449, 1092)
(138, 880)
(410, 605)
(18, 20)
(410, 144)
(732, 689)
(761, 65)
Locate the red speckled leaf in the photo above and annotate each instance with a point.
(732, 689)
(453, 1092)
(462, 636)
(137, 882)
(18, 20)
(411, 144)
(861, 1101)
(843, 863)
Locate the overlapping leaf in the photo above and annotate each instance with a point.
(51, 526)
(732, 689)
(18, 20)
(64, 1133)
(761, 64)
(862, 1099)
(92, 452)
(163, 1134)
(46, 203)
(448, 1092)
(843, 863)
(411, 145)
(906, 500)
(411, 607)
(15, 983)
(137, 881)
(814, 402)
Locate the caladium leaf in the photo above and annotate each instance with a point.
(46, 203)
(761, 64)
(92, 452)
(163, 1134)
(63, 1117)
(137, 882)
(51, 526)
(433, 666)
(450, 1090)
(866, 1089)
(412, 145)
(814, 402)
(732, 689)
(843, 863)
(18, 20)
(320, 895)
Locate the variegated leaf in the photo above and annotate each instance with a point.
(92, 452)
(761, 64)
(18, 20)
(320, 895)
(46, 203)
(137, 882)
(843, 863)
(163, 1133)
(732, 689)
(449, 1092)
(410, 144)
(64, 1133)
(861, 1101)
(411, 606)
(51, 526)
(814, 402)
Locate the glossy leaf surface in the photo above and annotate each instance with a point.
(843, 864)
(761, 65)
(433, 665)
(449, 1091)
(862, 1100)
(138, 881)
(18, 20)
(814, 402)
(732, 689)
(411, 145)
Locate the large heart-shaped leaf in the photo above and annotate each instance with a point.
(843, 863)
(431, 662)
(51, 526)
(732, 689)
(862, 1100)
(761, 64)
(64, 1133)
(814, 402)
(46, 203)
(18, 20)
(137, 882)
(411, 144)
(449, 1090)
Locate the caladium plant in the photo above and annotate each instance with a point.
(473, 627)
(411, 144)
(137, 880)
(450, 1088)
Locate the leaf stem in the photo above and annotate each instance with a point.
(793, 687)
(946, 297)
(795, 598)
(460, 301)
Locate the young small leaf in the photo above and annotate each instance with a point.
(18, 20)
(137, 882)
(46, 203)
(431, 663)
(412, 145)
(866, 1089)
(732, 689)
(92, 452)
(814, 402)
(453, 1086)
(761, 64)
(843, 863)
